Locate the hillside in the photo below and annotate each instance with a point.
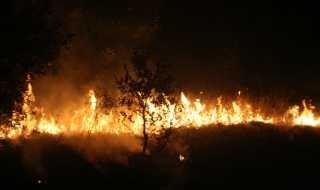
(254, 156)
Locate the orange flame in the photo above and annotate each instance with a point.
(87, 120)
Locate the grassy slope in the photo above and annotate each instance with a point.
(254, 156)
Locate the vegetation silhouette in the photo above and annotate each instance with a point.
(33, 34)
(143, 87)
(252, 156)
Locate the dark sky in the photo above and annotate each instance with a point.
(253, 44)
(217, 47)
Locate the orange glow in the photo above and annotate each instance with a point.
(196, 114)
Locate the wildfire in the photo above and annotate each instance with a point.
(196, 114)
(306, 117)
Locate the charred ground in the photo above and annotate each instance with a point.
(254, 156)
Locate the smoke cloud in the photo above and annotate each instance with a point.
(39, 150)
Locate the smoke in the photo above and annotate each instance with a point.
(106, 33)
(104, 147)
(42, 153)
(64, 88)
(32, 150)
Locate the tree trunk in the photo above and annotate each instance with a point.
(145, 135)
(145, 143)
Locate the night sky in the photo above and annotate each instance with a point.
(262, 46)
(217, 47)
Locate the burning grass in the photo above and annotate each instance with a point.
(103, 115)
(221, 143)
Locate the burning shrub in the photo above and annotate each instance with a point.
(149, 96)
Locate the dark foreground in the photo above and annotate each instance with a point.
(251, 156)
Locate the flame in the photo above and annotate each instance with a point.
(306, 117)
(196, 114)
(93, 101)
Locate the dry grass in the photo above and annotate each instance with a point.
(253, 155)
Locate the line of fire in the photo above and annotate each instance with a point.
(191, 114)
